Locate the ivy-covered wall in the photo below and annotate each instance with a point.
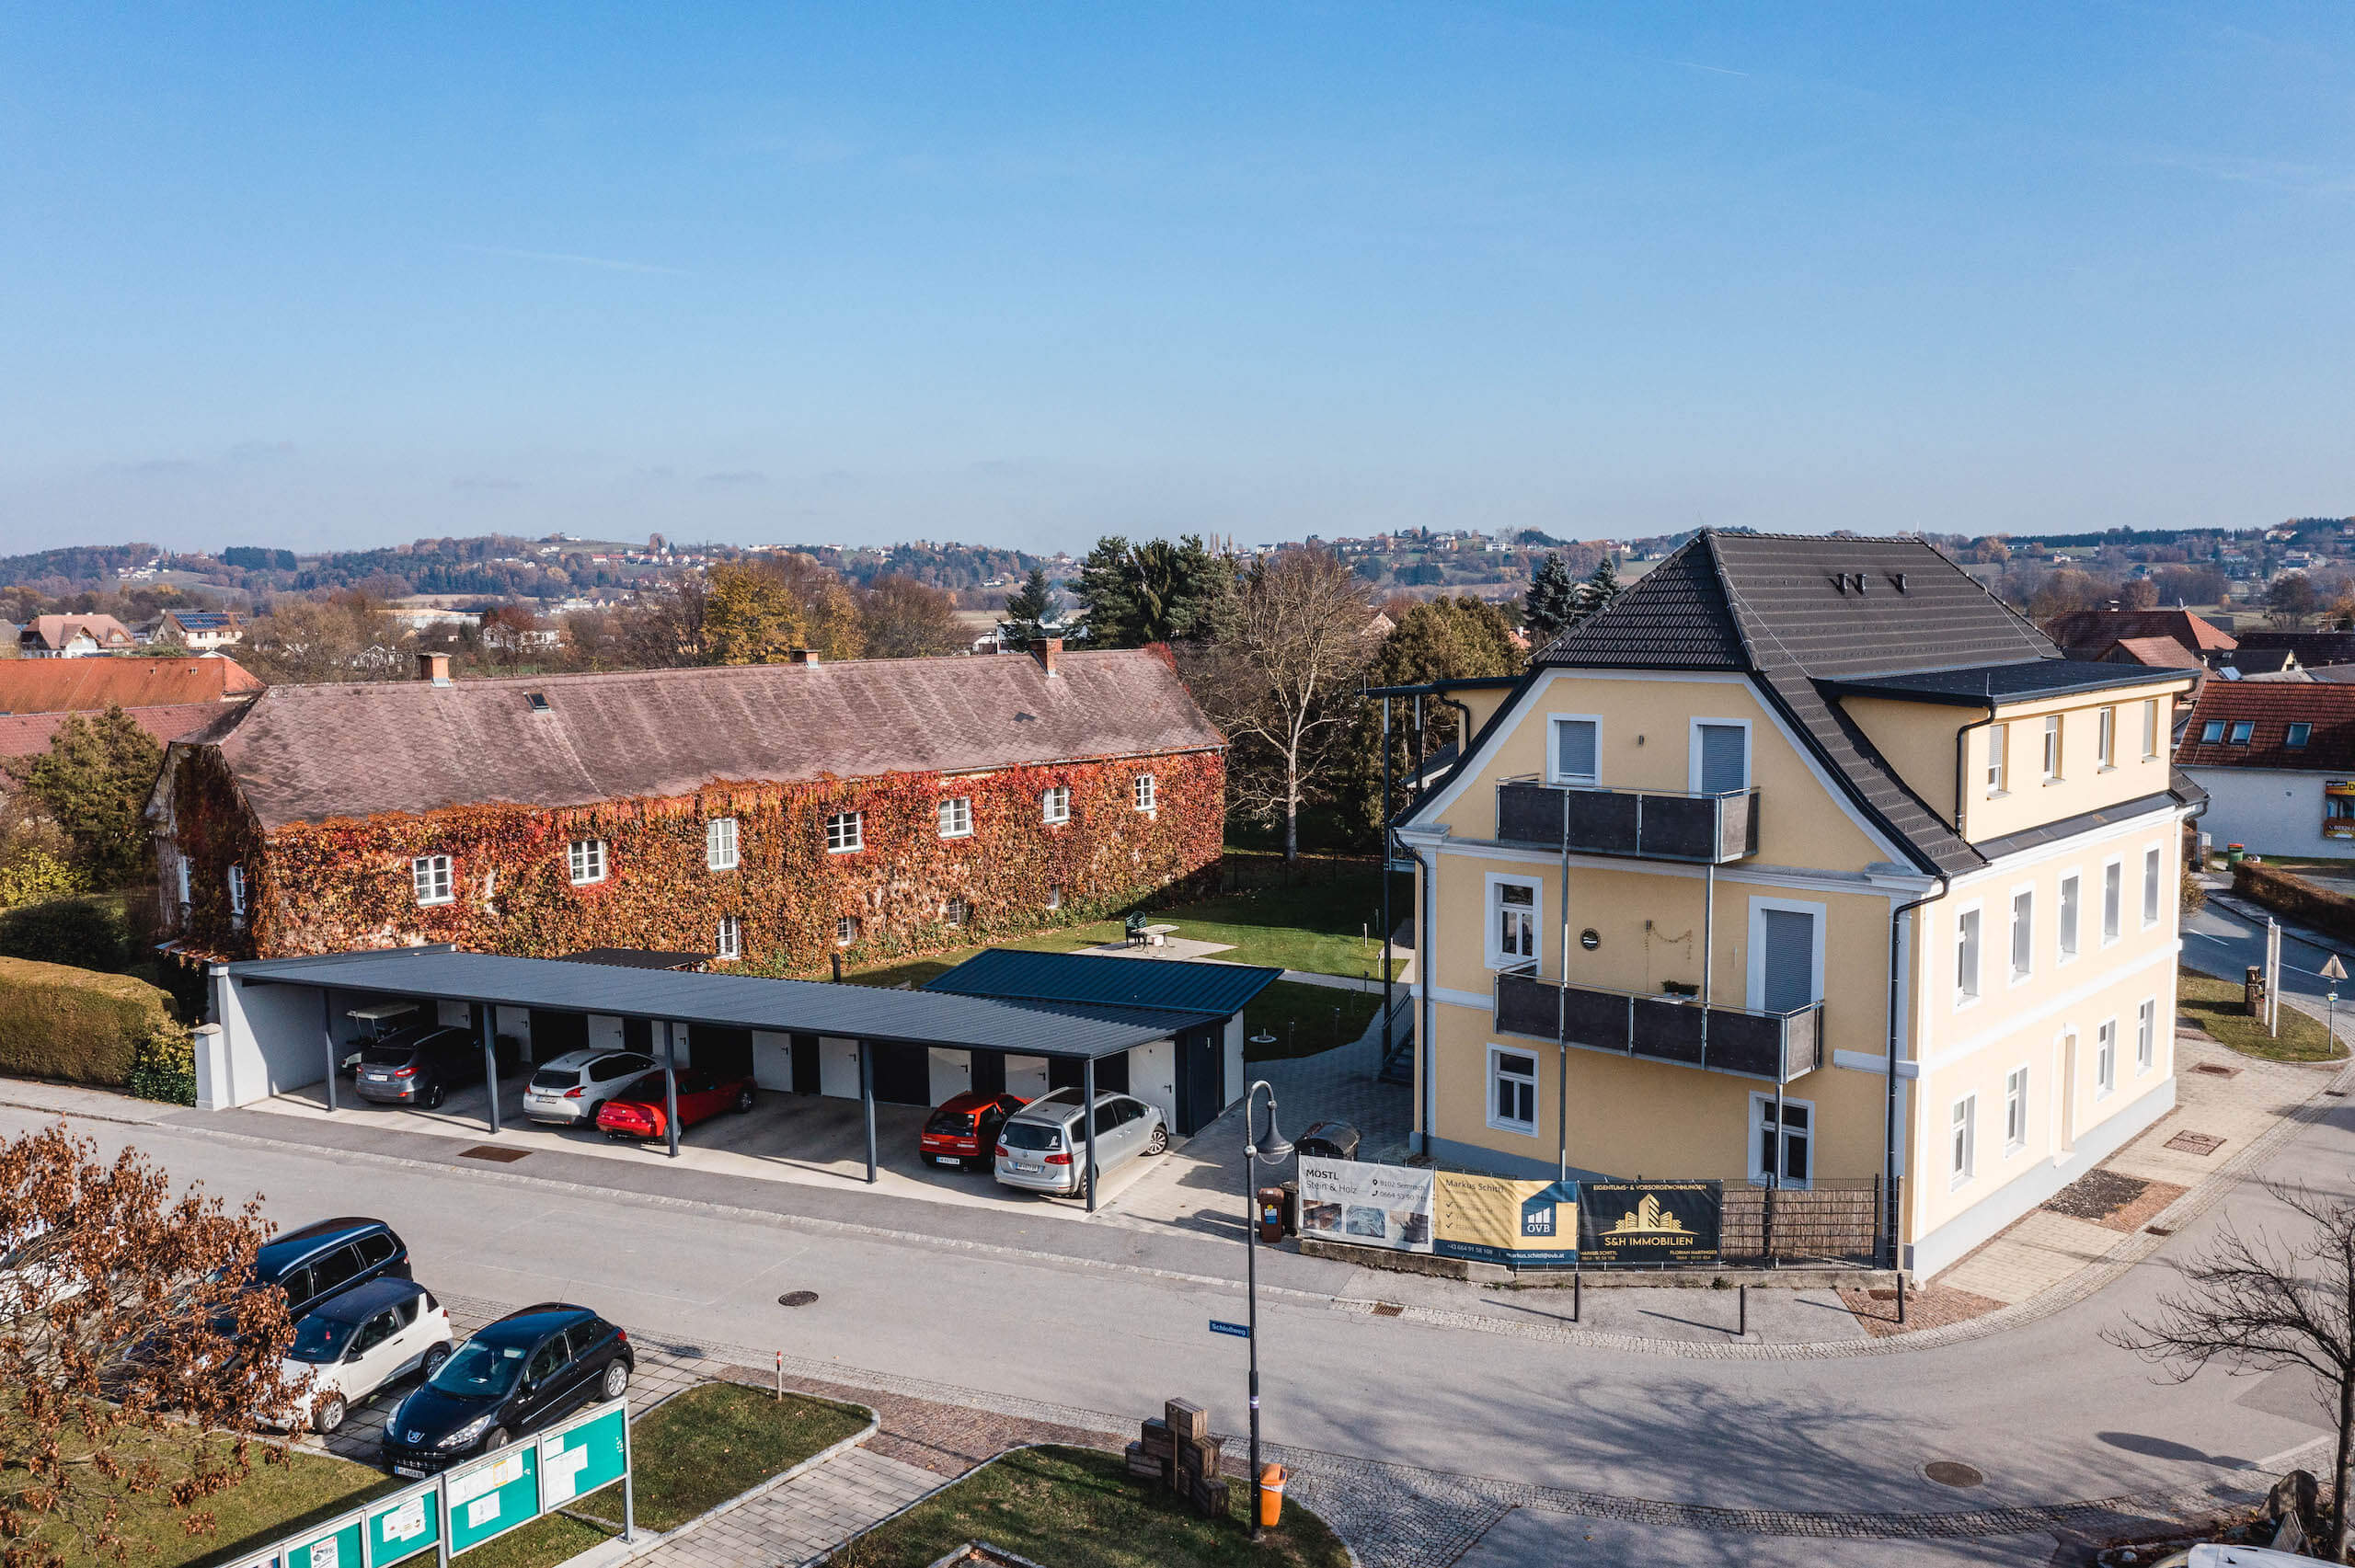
(345, 883)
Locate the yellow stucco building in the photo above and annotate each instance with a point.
(1794, 812)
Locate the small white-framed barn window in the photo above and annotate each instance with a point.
(586, 860)
(957, 911)
(236, 892)
(719, 844)
(1147, 797)
(846, 832)
(957, 816)
(730, 943)
(429, 874)
(1055, 804)
(1055, 896)
(845, 930)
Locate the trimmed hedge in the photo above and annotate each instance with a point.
(90, 933)
(2297, 898)
(57, 1020)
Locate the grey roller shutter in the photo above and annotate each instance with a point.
(1790, 962)
(1574, 748)
(1725, 758)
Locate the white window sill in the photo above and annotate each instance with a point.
(966, 834)
(1516, 1130)
(1955, 1183)
(1965, 1003)
(2012, 1149)
(848, 848)
(587, 881)
(434, 903)
(2050, 782)
(1999, 795)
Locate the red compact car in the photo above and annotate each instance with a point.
(963, 1131)
(637, 1110)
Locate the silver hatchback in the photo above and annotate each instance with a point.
(569, 1089)
(1040, 1148)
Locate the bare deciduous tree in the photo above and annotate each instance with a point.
(2260, 1303)
(135, 1366)
(1280, 682)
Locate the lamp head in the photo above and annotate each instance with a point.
(1275, 1149)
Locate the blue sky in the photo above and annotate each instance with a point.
(332, 275)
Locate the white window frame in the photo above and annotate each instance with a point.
(1693, 749)
(846, 832)
(584, 860)
(845, 930)
(2069, 917)
(2113, 900)
(2106, 738)
(236, 892)
(1492, 950)
(2021, 933)
(1754, 974)
(2105, 1058)
(186, 869)
(1146, 794)
(957, 912)
(2153, 870)
(719, 849)
(1970, 924)
(1962, 1142)
(2014, 1111)
(1495, 1075)
(2146, 1035)
(957, 816)
(1055, 804)
(1554, 773)
(2055, 741)
(2149, 730)
(1999, 759)
(1054, 895)
(1761, 1106)
(428, 872)
(2293, 740)
(728, 940)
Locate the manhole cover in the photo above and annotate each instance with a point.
(2196, 1142)
(2217, 1069)
(1952, 1473)
(2157, 1230)
(492, 1152)
(797, 1297)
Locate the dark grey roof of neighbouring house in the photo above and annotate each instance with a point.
(736, 1002)
(313, 753)
(1804, 614)
(1175, 984)
(1974, 685)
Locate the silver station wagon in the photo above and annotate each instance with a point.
(1040, 1149)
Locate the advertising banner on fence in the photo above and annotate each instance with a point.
(1492, 1219)
(1370, 1205)
(1651, 1222)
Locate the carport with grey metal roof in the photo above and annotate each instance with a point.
(1070, 1031)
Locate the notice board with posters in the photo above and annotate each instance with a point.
(1495, 1220)
(1651, 1223)
(1366, 1205)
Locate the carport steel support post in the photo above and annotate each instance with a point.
(327, 1033)
(1087, 1124)
(670, 1085)
(867, 1097)
(490, 1059)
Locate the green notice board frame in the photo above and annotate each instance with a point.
(485, 1498)
(404, 1524)
(334, 1545)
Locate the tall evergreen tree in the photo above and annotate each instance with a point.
(1030, 608)
(1601, 586)
(1156, 590)
(1551, 606)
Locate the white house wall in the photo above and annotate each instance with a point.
(270, 1042)
(1233, 1086)
(2272, 811)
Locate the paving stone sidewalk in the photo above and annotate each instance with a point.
(801, 1520)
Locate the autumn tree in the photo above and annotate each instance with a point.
(94, 782)
(1282, 683)
(1445, 639)
(904, 619)
(1156, 590)
(137, 1365)
(2260, 1303)
(759, 611)
(303, 641)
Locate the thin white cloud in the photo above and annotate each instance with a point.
(566, 260)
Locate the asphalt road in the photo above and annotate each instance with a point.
(2049, 1411)
(2223, 942)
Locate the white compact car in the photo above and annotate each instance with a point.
(364, 1340)
(569, 1089)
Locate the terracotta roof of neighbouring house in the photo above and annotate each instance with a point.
(2270, 708)
(312, 754)
(63, 685)
(1810, 616)
(2163, 653)
(21, 735)
(56, 630)
(2095, 630)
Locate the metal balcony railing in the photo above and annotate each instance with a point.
(1776, 1047)
(1648, 824)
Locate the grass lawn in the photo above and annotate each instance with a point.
(1301, 1018)
(1079, 1508)
(270, 1501)
(2215, 1005)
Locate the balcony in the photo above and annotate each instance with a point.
(1646, 824)
(1776, 1047)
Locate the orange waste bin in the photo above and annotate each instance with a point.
(1272, 1495)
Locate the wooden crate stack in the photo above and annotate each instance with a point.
(1177, 1450)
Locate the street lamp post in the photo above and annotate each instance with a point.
(1275, 1151)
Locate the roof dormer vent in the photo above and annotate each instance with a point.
(1898, 579)
(1858, 578)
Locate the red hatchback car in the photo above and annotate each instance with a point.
(636, 1111)
(963, 1131)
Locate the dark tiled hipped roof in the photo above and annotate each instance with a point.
(310, 753)
(2269, 709)
(2313, 649)
(1806, 615)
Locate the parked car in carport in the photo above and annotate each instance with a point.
(570, 1089)
(364, 1339)
(420, 1069)
(1040, 1149)
(963, 1131)
(519, 1374)
(639, 1111)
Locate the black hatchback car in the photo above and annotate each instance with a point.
(418, 1066)
(314, 1263)
(519, 1374)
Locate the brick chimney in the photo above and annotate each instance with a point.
(801, 656)
(1047, 650)
(434, 667)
